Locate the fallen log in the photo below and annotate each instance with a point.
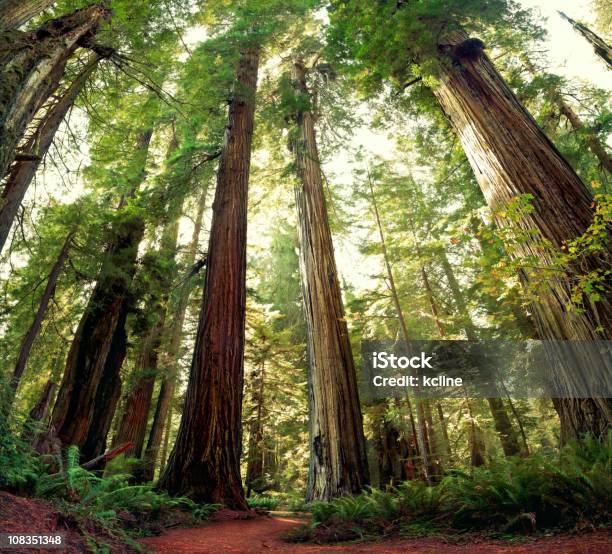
(103, 459)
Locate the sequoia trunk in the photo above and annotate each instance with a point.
(109, 390)
(166, 389)
(73, 411)
(601, 47)
(31, 66)
(511, 156)
(14, 13)
(136, 415)
(205, 461)
(338, 462)
(22, 172)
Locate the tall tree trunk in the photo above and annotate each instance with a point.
(40, 411)
(22, 172)
(166, 390)
(31, 66)
(136, 417)
(14, 13)
(166, 446)
(30, 336)
(601, 47)
(444, 426)
(205, 461)
(511, 156)
(39, 414)
(477, 445)
(72, 414)
(338, 461)
(255, 459)
(420, 433)
(518, 420)
(109, 390)
(501, 420)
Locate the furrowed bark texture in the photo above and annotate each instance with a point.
(109, 390)
(511, 156)
(338, 462)
(135, 419)
(73, 411)
(166, 390)
(205, 461)
(14, 13)
(601, 47)
(31, 66)
(22, 172)
(255, 477)
(30, 336)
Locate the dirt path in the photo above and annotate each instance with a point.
(264, 534)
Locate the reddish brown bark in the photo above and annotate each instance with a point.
(338, 462)
(205, 461)
(31, 66)
(109, 390)
(166, 390)
(73, 411)
(138, 403)
(511, 156)
(22, 172)
(14, 13)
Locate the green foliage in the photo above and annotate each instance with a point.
(19, 465)
(511, 495)
(106, 497)
(263, 502)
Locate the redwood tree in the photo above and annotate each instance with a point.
(28, 339)
(338, 462)
(205, 461)
(509, 154)
(22, 172)
(14, 13)
(73, 410)
(31, 66)
(166, 389)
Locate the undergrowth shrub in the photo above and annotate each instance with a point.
(19, 464)
(263, 502)
(110, 497)
(513, 495)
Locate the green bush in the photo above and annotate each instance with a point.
(19, 464)
(107, 497)
(513, 495)
(263, 502)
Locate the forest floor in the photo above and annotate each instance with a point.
(265, 534)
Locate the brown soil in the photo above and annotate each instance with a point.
(28, 515)
(229, 535)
